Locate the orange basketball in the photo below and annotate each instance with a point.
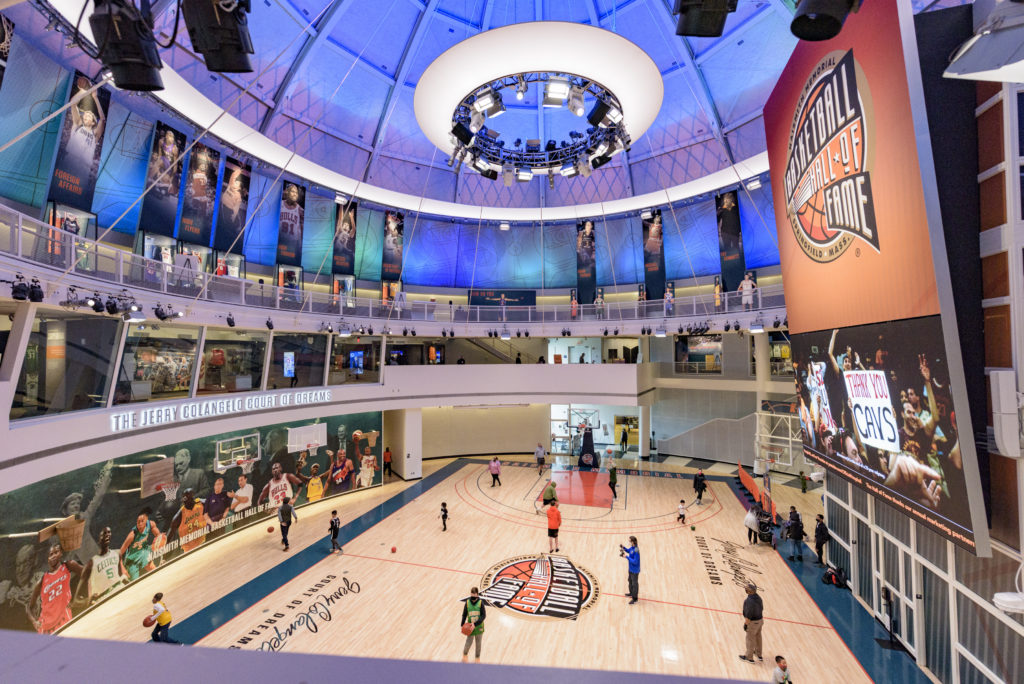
(394, 549)
(148, 621)
(467, 628)
(522, 570)
(270, 529)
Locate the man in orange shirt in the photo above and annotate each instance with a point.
(554, 522)
(387, 462)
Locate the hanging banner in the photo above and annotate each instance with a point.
(394, 231)
(234, 203)
(160, 206)
(200, 193)
(586, 276)
(6, 34)
(654, 256)
(345, 240)
(81, 139)
(730, 239)
(289, 234)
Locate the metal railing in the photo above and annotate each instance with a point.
(38, 242)
(698, 367)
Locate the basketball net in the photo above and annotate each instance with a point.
(170, 491)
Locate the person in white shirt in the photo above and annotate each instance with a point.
(241, 499)
(682, 511)
(539, 454)
(781, 673)
(747, 287)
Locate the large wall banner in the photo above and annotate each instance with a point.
(234, 203)
(344, 262)
(846, 181)
(654, 256)
(200, 194)
(586, 269)
(160, 206)
(81, 139)
(129, 516)
(6, 34)
(394, 240)
(293, 214)
(730, 239)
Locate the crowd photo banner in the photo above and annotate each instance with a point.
(160, 205)
(293, 215)
(81, 139)
(730, 240)
(586, 270)
(882, 403)
(234, 205)
(394, 241)
(132, 515)
(6, 34)
(654, 256)
(200, 193)
(344, 261)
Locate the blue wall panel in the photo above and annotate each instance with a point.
(122, 175)
(619, 256)
(263, 221)
(560, 255)
(691, 241)
(501, 258)
(369, 243)
(431, 249)
(318, 238)
(757, 220)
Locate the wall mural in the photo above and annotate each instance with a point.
(73, 541)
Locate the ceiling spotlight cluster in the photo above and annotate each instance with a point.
(448, 333)
(163, 312)
(698, 329)
(566, 332)
(478, 143)
(22, 289)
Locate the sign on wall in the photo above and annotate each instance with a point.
(293, 213)
(394, 241)
(81, 139)
(586, 262)
(344, 262)
(234, 204)
(200, 192)
(163, 181)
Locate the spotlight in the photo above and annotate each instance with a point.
(35, 291)
(702, 18)
(727, 326)
(504, 225)
(179, 314)
(133, 306)
(158, 311)
(568, 170)
(615, 332)
(111, 306)
(519, 333)
(606, 332)
(785, 322)
(270, 324)
(19, 288)
(451, 333)
(680, 329)
(231, 321)
(129, 48)
(484, 100)
(96, 303)
(518, 143)
(555, 92)
(505, 334)
(597, 115)
(550, 146)
(219, 31)
(599, 161)
(476, 121)
(756, 327)
(820, 19)
(576, 100)
(776, 323)
(444, 333)
(405, 332)
(524, 175)
(520, 88)
(414, 332)
(369, 331)
(660, 332)
(463, 134)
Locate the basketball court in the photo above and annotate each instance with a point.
(563, 610)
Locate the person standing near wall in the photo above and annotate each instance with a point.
(753, 620)
(624, 439)
(632, 555)
(539, 454)
(821, 537)
(387, 462)
(285, 516)
(473, 613)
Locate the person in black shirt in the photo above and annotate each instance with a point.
(474, 612)
(821, 537)
(700, 484)
(753, 620)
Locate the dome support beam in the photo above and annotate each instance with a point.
(323, 29)
(419, 32)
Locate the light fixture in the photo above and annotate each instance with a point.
(680, 331)
(444, 333)
(112, 307)
(520, 87)
(606, 332)
(504, 225)
(129, 49)
(414, 332)
(19, 288)
(462, 134)
(615, 332)
(524, 174)
(756, 327)
(727, 327)
(736, 325)
(405, 332)
(231, 321)
(702, 18)
(754, 183)
(158, 311)
(519, 333)
(660, 332)
(270, 324)
(505, 335)
(583, 166)
(646, 214)
(556, 90)
(816, 20)
(96, 303)
(133, 316)
(508, 174)
(568, 170)
(776, 323)
(476, 121)
(369, 330)
(484, 100)
(219, 31)
(481, 164)
(576, 100)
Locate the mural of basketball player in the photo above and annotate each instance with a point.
(279, 487)
(367, 465)
(341, 471)
(73, 506)
(344, 239)
(87, 122)
(189, 519)
(137, 550)
(393, 228)
(585, 243)
(54, 591)
(292, 216)
(653, 244)
(162, 171)
(315, 483)
(104, 573)
(16, 596)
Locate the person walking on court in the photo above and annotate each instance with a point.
(549, 496)
(539, 454)
(444, 517)
(821, 537)
(335, 527)
(495, 467)
(632, 555)
(613, 477)
(285, 516)
(700, 484)
(753, 620)
(554, 522)
(387, 463)
(781, 673)
(682, 511)
(750, 522)
(624, 439)
(474, 612)
(796, 537)
(163, 621)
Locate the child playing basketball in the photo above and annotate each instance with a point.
(682, 512)
(444, 517)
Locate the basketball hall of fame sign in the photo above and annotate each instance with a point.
(829, 201)
(540, 586)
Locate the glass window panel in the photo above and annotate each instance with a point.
(970, 674)
(991, 641)
(157, 362)
(354, 359)
(934, 591)
(67, 364)
(892, 521)
(297, 360)
(859, 500)
(232, 361)
(838, 520)
(835, 485)
(986, 576)
(6, 319)
(892, 563)
(932, 547)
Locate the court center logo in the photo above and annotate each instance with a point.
(829, 199)
(540, 586)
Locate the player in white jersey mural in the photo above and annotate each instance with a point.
(104, 573)
(279, 487)
(367, 465)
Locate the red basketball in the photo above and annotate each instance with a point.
(394, 549)
(270, 529)
(148, 621)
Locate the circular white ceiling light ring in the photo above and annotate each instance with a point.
(540, 46)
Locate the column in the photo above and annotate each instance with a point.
(645, 432)
(412, 460)
(763, 371)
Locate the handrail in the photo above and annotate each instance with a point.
(40, 243)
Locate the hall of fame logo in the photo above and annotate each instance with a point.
(540, 586)
(829, 199)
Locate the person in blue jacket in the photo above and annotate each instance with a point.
(632, 554)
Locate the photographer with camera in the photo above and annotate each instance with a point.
(632, 554)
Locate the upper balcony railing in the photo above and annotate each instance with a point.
(40, 243)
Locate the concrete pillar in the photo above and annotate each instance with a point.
(412, 460)
(645, 432)
(763, 371)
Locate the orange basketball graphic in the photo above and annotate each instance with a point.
(546, 586)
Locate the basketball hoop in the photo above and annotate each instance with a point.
(170, 491)
(246, 464)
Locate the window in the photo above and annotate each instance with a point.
(354, 359)
(699, 354)
(232, 361)
(67, 364)
(157, 363)
(297, 361)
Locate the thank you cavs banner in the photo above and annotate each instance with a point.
(871, 409)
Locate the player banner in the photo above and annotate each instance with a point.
(6, 35)
(493, 297)
(344, 262)
(394, 231)
(846, 181)
(730, 239)
(586, 268)
(81, 139)
(234, 203)
(137, 512)
(163, 180)
(200, 193)
(654, 256)
(875, 406)
(289, 235)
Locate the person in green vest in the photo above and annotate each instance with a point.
(473, 612)
(548, 496)
(613, 477)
